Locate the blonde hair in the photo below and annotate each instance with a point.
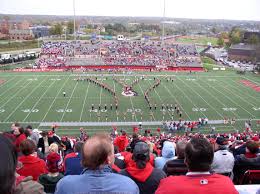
(54, 148)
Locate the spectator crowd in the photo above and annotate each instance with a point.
(37, 161)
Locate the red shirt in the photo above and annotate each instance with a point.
(199, 184)
(19, 139)
(31, 166)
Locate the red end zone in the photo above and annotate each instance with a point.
(251, 85)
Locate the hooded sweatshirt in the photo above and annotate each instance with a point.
(31, 166)
(168, 153)
(147, 178)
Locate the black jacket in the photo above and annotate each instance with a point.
(49, 183)
(151, 183)
(41, 143)
(175, 167)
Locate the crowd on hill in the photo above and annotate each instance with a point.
(42, 162)
(119, 53)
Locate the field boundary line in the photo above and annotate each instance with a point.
(84, 102)
(24, 100)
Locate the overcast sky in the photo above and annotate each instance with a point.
(206, 9)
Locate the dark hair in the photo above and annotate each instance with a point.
(27, 132)
(21, 129)
(78, 147)
(199, 154)
(96, 150)
(252, 146)
(180, 148)
(8, 166)
(27, 147)
(44, 133)
(29, 127)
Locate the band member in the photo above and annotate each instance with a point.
(64, 94)
(92, 107)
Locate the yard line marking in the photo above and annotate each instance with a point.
(132, 105)
(14, 95)
(6, 82)
(237, 95)
(39, 100)
(159, 98)
(177, 101)
(237, 104)
(252, 80)
(12, 87)
(143, 95)
(237, 83)
(69, 101)
(84, 102)
(55, 98)
(24, 100)
(203, 100)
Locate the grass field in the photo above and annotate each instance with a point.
(203, 40)
(37, 98)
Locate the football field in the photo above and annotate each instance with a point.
(37, 98)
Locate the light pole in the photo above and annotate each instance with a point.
(74, 20)
(163, 30)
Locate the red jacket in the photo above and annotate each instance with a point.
(199, 184)
(31, 166)
(121, 142)
(19, 139)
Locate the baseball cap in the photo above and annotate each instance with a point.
(141, 151)
(53, 162)
(222, 140)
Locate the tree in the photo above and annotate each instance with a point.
(220, 41)
(214, 30)
(253, 39)
(235, 35)
(56, 29)
(70, 27)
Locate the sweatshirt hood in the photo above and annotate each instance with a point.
(168, 150)
(29, 159)
(140, 175)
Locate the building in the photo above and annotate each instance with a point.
(40, 31)
(21, 34)
(248, 34)
(243, 52)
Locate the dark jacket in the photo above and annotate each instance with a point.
(72, 164)
(175, 167)
(147, 179)
(41, 143)
(49, 182)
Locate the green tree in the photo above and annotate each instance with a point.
(56, 29)
(253, 39)
(70, 27)
(220, 41)
(235, 35)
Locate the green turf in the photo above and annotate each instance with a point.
(203, 40)
(37, 97)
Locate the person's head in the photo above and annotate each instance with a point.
(252, 147)
(44, 134)
(27, 147)
(28, 131)
(14, 126)
(97, 152)
(78, 147)
(8, 165)
(53, 162)
(180, 148)
(221, 143)
(54, 148)
(18, 130)
(141, 154)
(199, 154)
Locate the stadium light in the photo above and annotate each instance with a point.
(163, 30)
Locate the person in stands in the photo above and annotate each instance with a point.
(29, 164)
(19, 137)
(177, 166)
(72, 165)
(248, 161)
(168, 153)
(54, 165)
(198, 157)
(10, 181)
(97, 177)
(223, 162)
(44, 142)
(142, 172)
(121, 142)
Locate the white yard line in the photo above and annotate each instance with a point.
(235, 94)
(7, 82)
(203, 100)
(13, 96)
(160, 98)
(236, 104)
(252, 80)
(55, 98)
(82, 110)
(24, 100)
(143, 95)
(39, 100)
(177, 101)
(63, 114)
(12, 87)
(245, 93)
